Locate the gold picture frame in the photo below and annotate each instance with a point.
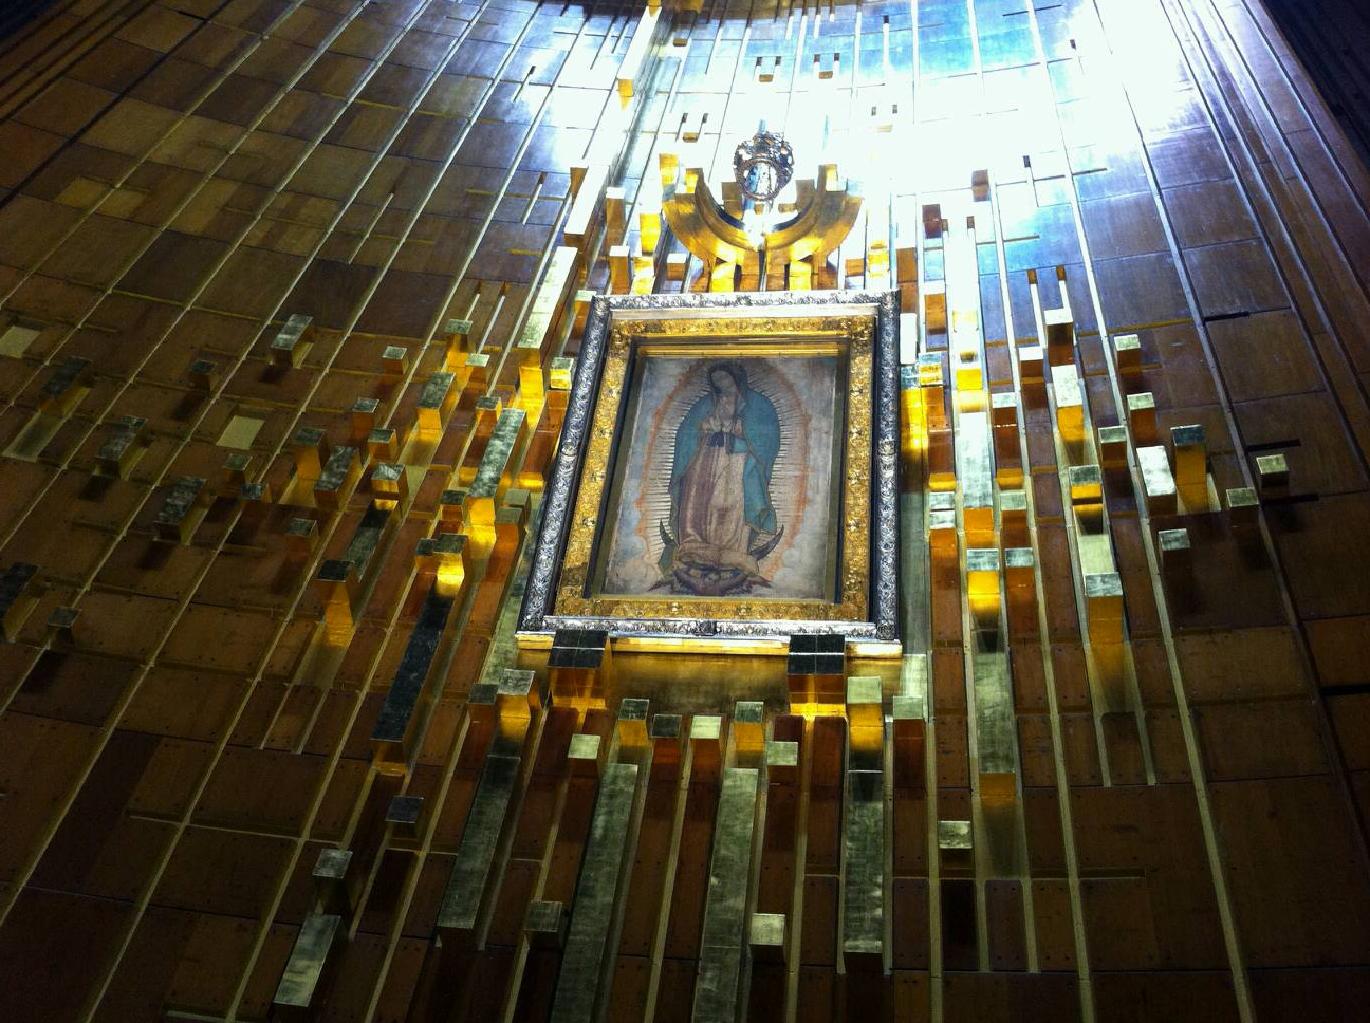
(838, 343)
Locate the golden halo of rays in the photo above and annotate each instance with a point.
(789, 477)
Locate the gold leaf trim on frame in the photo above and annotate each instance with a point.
(783, 333)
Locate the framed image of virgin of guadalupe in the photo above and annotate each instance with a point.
(726, 473)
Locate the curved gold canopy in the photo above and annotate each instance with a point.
(705, 228)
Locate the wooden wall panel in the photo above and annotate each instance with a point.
(187, 713)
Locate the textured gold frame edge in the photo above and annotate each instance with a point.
(877, 636)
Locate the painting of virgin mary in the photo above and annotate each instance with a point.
(725, 479)
(722, 520)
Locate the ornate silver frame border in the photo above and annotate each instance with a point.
(536, 617)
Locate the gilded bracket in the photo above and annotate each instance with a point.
(827, 211)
